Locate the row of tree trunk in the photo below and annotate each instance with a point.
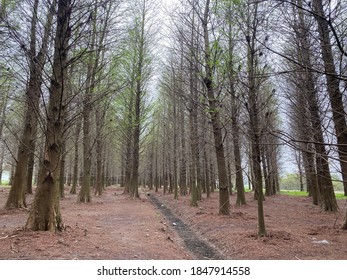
(217, 116)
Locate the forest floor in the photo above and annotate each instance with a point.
(114, 226)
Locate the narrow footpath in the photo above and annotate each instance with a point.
(199, 247)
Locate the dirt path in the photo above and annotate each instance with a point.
(111, 227)
(199, 247)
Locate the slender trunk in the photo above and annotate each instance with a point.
(45, 210)
(128, 155)
(239, 184)
(134, 191)
(2, 155)
(62, 170)
(298, 156)
(175, 179)
(272, 164)
(92, 65)
(336, 101)
(150, 174)
(157, 179)
(230, 180)
(16, 198)
(322, 161)
(240, 196)
(193, 147)
(84, 194)
(69, 176)
(266, 173)
(182, 122)
(207, 175)
(30, 173)
(76, 157)
(224, 202)
(98, 151)
(310, 173)
(254, 117)
(2, 120)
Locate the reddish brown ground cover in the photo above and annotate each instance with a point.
(117, 227)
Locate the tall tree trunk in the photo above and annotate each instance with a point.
(207, 173)
(182, 123)
(150, 167)
(134, 191)
(139, 67)
(239, 184)
(254, 116)
(310, 173)
(2, 146)
(100, 110)
(62, 170)
(229, 170)
(69, 175)
(99, 152)
(193, 148)
(45, 210)
(325, 192)
(128, 148)
(92, 68)
(2, 155)
(31, 163)
(175, 153)
(224, 202)
(16, 198)
(240, 196)
(336, 101)
(268, 189)
(298, 158)
(84, 194)
(157, 179)
(76, 156)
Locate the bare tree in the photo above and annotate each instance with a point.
(45, 210)
(37, 60)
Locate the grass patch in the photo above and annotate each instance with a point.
(304, 194)
(293, 193)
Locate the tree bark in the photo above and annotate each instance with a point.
(224, 202)
(31, 163)
(253, 110)
(344, 225)
(336, 100)
(84, 194)
(62, 170)
(98, 151)
(2, 146)
(76, 157)
(193, 148)
(139, 80)
(45, 210)
(16, 198)
(324, 194)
